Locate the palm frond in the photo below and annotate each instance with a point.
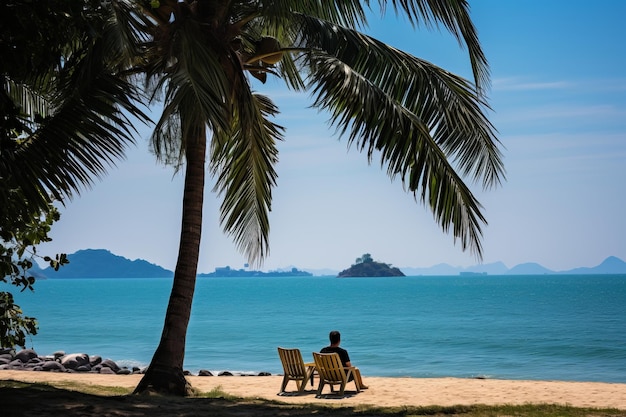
(30, 100)
(289, 71)
(243, 160)
(348, 13)
(128, 32)
(415, 114)
(60, 158)
(378, 123)
(87, 123)
(454, 15)
(194, 82)
(447, 104)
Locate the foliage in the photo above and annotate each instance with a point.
(19, 236)
(65, 104)
(365, 258)
(14, 326)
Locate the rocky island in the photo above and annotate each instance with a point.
(365, 266)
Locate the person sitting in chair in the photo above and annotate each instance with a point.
(335, 340)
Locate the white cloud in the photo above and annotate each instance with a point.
(588, 85)
(574, 113)
(517, 84)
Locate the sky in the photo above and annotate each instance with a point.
(558, 99)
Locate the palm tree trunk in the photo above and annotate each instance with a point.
(165, 373)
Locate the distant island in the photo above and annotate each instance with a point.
(471, 274)
(365, 266)
(227, 271)
(101, 263)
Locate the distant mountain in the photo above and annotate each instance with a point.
(529, 268)
(100, 263)
(439, 269)
(611, 265)
(496, 268)
(325, 272)
(36, 271)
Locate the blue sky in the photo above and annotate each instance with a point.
(559, 104)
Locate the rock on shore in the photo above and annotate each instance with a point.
(29, 360)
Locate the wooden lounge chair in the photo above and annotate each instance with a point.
(295, 369)
(332, 372)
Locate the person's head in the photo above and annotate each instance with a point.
(335, 337)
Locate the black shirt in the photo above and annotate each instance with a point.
(343, 354)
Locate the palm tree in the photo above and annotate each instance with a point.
(427, 126)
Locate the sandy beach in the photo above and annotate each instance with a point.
(383, 391)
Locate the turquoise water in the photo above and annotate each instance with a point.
(512, 327)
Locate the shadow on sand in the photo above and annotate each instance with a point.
(41, 400)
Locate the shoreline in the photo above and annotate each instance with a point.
(383, 391)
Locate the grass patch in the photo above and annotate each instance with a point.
(218, 393)
(103, 390)
(527, 410)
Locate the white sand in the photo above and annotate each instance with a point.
(383, 391)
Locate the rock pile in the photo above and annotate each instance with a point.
(29, 360)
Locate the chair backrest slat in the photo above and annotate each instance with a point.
(292, 362)
(329, 367)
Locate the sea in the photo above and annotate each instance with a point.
(541, 327)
